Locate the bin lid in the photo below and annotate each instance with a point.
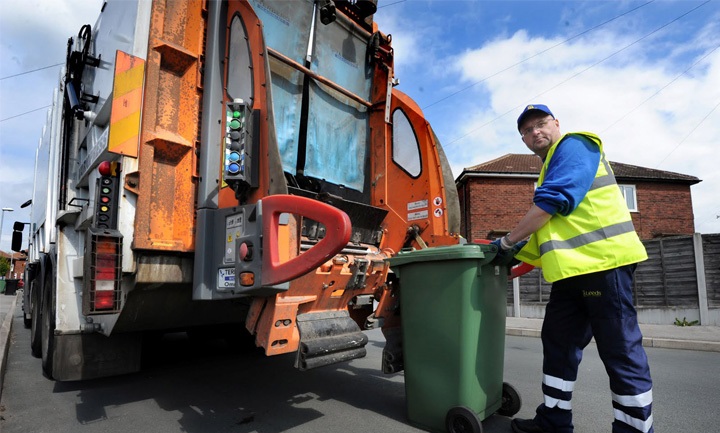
(452, 252)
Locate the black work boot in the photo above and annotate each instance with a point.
(526, 426)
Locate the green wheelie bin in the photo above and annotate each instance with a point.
(453, 308)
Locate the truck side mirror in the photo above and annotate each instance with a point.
(16, 244)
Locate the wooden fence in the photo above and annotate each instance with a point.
(670, 278)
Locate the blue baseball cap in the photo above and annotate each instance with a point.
(529, 109)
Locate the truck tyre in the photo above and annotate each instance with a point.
(48, 326)
(36, 320)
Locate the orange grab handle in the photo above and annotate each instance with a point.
(521, 269)
(338, 231)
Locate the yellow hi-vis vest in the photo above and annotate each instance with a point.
(598, 235)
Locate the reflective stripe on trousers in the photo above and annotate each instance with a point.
(559, 387)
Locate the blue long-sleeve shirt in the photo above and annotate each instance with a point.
(569, 176)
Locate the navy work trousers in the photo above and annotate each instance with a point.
(600, 305)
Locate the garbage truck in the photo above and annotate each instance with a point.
(232, 166)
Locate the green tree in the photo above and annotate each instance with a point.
(4, 266)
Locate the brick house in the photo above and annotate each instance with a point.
(17, 265)
(495, 195)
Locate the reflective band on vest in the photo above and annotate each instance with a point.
(604, 180)
(597, 235)
(584, 239)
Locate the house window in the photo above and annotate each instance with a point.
(628, 191)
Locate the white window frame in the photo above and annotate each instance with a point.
(629, 189)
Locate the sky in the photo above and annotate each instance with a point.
(644, 75)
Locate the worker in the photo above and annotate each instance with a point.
(582, 236)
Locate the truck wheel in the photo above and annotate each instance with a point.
(460, 419)
(48, 326)
(36, 320)
(511, 401)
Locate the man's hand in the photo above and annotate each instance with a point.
(506, 256)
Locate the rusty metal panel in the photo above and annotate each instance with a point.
(165, 181)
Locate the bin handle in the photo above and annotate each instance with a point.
(517, 270)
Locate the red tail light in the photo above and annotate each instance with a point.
(104, 300)
(103, 272)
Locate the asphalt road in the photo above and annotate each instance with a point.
(201, 387)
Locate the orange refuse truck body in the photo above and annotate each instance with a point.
(241, 166)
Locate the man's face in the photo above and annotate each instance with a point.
(539, 131)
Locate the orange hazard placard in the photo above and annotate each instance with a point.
(126, 105)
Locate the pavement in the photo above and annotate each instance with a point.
(704, 338)
(7, 312)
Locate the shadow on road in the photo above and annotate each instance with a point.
(216, 388)
(206, 385)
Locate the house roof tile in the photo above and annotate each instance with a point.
(513, 164)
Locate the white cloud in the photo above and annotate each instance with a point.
(616, 98)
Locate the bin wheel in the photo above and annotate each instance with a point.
(511, 401)
(460, 419)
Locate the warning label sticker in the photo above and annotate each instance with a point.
(412, 216)
(420, 204)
